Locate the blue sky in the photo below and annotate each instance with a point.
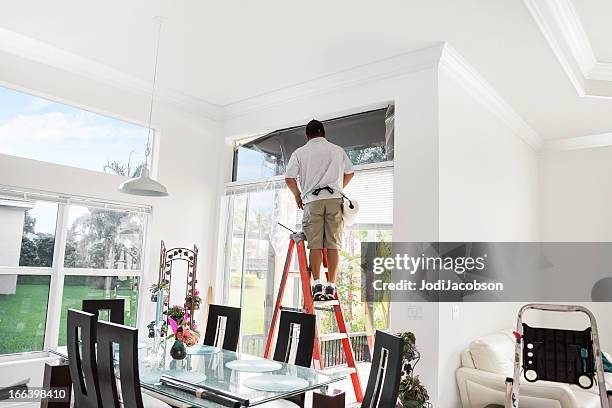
(37, 128)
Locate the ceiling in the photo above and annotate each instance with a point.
(595, 16)
(227, 51)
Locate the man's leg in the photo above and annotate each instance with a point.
(332, 240)
(333, 260)
(313, 225)
(316, 258)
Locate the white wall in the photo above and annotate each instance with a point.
(11, 219)
(415, 175)
(575, 207)
(576, 194)
(488, 191)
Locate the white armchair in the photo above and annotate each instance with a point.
(487, 362)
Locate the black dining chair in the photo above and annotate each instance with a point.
(115, 307)
(215, 328)
(385, 372)
(128, 394)
(289, 324)
(300, 327)
(82, 358)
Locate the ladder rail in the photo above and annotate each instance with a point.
(297, 243)
(279, 299)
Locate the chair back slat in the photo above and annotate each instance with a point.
(82, 358)
(231, 331)
(285, 339)
(290, 324)
(126, 338)
(385, 372)
(116, 308)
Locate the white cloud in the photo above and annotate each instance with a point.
(38, 104)
(82, 139)
(53, 127)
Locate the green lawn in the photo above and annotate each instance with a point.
(253, 307)
(73, 298)
(23, 315)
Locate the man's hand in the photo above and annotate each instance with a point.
(298, 201)
(292, 184)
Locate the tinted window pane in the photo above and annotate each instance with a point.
(27, 236)
(23, 312)
(366, 137)
(104, 239)
(36, 128)
(77, 288)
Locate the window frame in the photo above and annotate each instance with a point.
(155, 135)
(223, 275)
(57, 272)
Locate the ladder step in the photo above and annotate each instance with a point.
(293, 309)
(339, 371)
(323, 303)
(333, 336)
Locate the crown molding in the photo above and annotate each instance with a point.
(577, 143)
(561, 26)
(375, 71)
(41, 52)
(438, 55)
(484, 93)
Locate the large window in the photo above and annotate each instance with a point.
(366, 137)
(55, 252)
(40, 129)
(256, 245)
(257, 248)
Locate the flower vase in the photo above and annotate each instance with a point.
(178, 350)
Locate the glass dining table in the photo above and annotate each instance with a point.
(227, 378)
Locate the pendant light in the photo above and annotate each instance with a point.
(144, 185)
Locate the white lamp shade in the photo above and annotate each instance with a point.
(143, 186)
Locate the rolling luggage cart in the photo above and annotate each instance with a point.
(557, 355)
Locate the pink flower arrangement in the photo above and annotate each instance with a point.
(182, 329)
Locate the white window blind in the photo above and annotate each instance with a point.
(372, 188)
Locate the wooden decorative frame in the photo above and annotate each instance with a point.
(167, 257)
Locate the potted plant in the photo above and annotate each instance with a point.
(412, 394)
(154, 289)
(184, 330)
(193, 302)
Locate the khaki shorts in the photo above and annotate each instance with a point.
(323, 223)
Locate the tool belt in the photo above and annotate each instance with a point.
(330, 190)
(316, 191)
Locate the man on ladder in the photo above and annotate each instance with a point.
(316, 174)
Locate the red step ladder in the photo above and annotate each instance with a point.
(296, 241)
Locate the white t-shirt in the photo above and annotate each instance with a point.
(319, 163)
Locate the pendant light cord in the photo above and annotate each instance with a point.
(148, 149)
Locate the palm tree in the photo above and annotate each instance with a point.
(93, 237)
(125, 170)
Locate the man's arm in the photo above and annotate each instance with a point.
(292, 184)
(347, 179)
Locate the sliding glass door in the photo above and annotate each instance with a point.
(257, 248)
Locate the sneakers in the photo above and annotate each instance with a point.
(317, 293)
(320, 295)
(330, 292)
